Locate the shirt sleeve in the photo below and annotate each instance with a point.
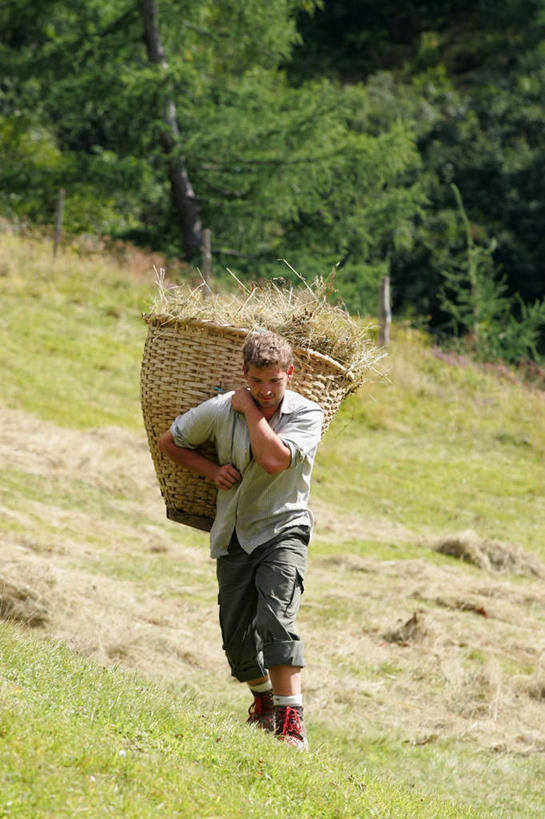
(193, 428)
(302, 432)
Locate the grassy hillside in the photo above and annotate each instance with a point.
(425, 676)
(81, 740)
(445, 446)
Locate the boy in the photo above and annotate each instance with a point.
(266, 438)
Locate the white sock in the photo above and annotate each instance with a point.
(261, 688)
(294, 699)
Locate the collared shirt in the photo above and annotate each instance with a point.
(260, 506)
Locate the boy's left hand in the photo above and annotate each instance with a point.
(242, 399)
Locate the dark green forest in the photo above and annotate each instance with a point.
(377, 138)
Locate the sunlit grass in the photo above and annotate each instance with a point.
(78, 738)
(441, 447)
(437, 453)
(70, 336)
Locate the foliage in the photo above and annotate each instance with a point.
(480, 307)
(327, 134)
(469, 79)
(280, 172)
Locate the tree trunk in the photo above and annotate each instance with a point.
(183, 195)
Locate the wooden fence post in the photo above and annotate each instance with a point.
(384, 312)
(207, 255)
(58, 224)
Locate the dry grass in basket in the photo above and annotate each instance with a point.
(303, 315)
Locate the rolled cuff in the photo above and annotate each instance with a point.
(249, 671)
(284, 652)
(179, 439)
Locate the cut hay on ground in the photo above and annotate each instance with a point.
(413, 630)
(20, 604)
(490, 555)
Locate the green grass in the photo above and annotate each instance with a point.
(439, 448)
(71, 336)
(378, 549)
(79, 739)
(472, 775)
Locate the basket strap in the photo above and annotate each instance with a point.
(221, 390)
(233, 438)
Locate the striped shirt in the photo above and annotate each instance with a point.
(260, 506)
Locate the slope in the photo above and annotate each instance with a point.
(425, 670)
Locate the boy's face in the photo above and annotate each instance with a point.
(267, 386)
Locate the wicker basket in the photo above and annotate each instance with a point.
(187, 361)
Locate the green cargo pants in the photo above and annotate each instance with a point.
(259, 596)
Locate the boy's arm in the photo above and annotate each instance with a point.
(267, 448)
(224, 476)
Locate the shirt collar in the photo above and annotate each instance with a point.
(289, 402)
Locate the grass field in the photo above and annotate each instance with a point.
(425, 688)
(81, 740)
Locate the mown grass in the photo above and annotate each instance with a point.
(442, 446)
(486, 778)
(438, 447)
(81, 740)
(71, 335)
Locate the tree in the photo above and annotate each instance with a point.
(183, 194)
(468, 80)
(480, 308)
(276, 171)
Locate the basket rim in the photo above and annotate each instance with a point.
(163, 319)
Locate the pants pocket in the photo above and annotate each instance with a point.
(295, 599)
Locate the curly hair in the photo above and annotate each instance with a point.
(265, 349)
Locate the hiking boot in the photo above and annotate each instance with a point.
(261, 711)
(290, 727)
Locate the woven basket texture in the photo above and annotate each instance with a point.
(185, 362)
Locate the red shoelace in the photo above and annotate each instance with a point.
(292, 723)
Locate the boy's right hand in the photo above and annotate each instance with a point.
(226, 476)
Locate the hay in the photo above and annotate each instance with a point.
(536, 690)
(20, 604)
(193, 351)
(462, 604)
(412, 631)
(490, 555)
(303, 315)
